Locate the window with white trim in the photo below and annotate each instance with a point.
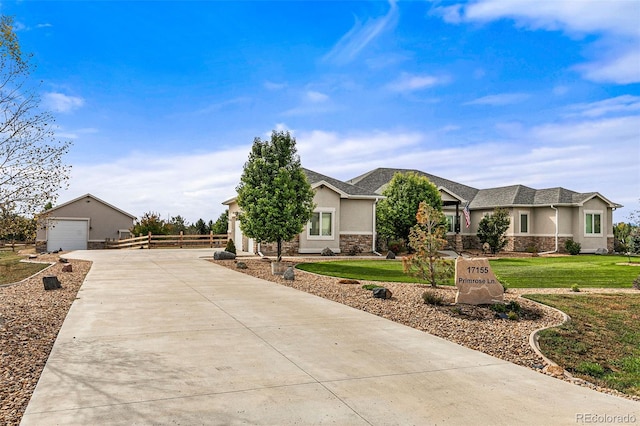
(321, 225)
(451, 222)
(593, 223)
(524, 223)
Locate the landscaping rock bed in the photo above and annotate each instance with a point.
(30, 318)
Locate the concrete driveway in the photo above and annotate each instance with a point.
(165, 337)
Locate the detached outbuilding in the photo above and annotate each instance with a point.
(86, 222)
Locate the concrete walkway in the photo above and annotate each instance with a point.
(163, 337)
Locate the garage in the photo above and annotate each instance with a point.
(67, 234)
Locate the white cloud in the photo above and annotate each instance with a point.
(59, 102)
(409, 82)
(620, 104)
(360, 35)
(499, 100)
(316, 97)
(615, 21)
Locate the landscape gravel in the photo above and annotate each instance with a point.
(30, 318)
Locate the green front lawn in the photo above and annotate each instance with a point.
(12, 270)
(601, 343)
(367, 270)
(530, 272)
(565, 271)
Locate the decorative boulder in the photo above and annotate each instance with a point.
(51, 282)
(241, 265)
(382, 293)
(327, 252)
(391, 255)
(602, 251)
(223, 255)
(289, 274)
(476, 282)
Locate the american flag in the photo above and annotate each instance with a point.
(467, 216)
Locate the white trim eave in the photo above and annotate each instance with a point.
(230, 200)
(453, 194)
(610, 203)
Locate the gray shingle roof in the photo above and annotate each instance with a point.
(514, 195)
(348, 188)
(376, 179)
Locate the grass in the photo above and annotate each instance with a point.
(532, 272)
(601, 343)
(565, 271)
(367, 270)
(12, 270)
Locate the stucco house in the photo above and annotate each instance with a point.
(344, 218)
(86, 222)
(541, 219)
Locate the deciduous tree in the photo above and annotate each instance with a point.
(492, 229)
(396, 214)
(31, 167)
(426, 238)
(275, 197)
(151, 222)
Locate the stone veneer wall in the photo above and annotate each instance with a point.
(348, 241)
(289, 248)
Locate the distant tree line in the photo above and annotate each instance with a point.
(153, 222)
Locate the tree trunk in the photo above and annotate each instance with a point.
(279, 244)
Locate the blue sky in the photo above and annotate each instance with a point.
(162, 100)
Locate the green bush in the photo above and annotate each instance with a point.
(370, 286)
(572, 247)
(432, 298)
(575, 288)
(636, 283)
(512, 316)
(500, 308)
(514, 306)
(231, 247)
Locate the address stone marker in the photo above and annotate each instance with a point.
(476, 283)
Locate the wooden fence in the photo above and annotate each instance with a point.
(176, 241)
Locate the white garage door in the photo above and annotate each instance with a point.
(67, 234)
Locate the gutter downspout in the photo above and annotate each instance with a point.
(373, 243)
(556, 235)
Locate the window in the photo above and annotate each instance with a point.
(451, 223)
(593, 223)
(524, 223)
(321, 225)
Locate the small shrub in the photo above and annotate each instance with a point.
(355, 250)
(370, 286)
(575, 288)
(636, 283)
(432, 298)
(513, 306)
(231, 247)
(533, 249)
(397, 246)
(499, 308)
(513, 316)
(572, 247)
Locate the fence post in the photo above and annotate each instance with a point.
(181, 235)
(210, 239)
(149, 240)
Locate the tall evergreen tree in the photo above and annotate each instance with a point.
(274, 195)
